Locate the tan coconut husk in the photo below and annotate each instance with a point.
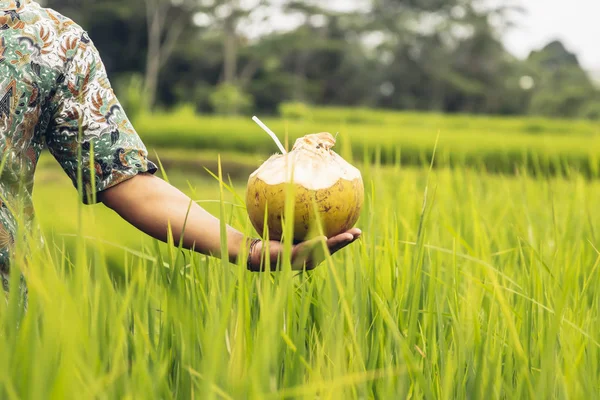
(326, 186)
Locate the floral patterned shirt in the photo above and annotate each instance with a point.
(55, 94)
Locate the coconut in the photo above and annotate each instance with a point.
(326, 188)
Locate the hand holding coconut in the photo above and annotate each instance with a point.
(305, 256)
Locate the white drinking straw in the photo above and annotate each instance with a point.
(270, 132)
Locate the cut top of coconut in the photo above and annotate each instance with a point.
(311, 164)
(315, 141)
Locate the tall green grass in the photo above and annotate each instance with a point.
(464, 286)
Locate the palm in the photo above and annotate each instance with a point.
(306, 255)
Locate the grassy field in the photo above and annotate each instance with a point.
(543, 147)
(464, 285)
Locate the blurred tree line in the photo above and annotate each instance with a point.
(232, 56)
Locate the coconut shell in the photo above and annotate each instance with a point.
(326, 186)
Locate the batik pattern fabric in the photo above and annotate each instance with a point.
(55, 94)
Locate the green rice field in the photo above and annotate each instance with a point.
(491, 144)
(465, 284)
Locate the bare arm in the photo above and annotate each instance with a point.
(150, 204)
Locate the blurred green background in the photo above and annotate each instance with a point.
(242, 56)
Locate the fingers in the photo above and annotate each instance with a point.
(355, 232)
(338, 242)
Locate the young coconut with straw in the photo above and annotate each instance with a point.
(327, 192)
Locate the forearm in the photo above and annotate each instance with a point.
(151, 204)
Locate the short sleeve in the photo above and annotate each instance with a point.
(89, 126)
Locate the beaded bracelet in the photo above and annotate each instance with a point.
(253, 244)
